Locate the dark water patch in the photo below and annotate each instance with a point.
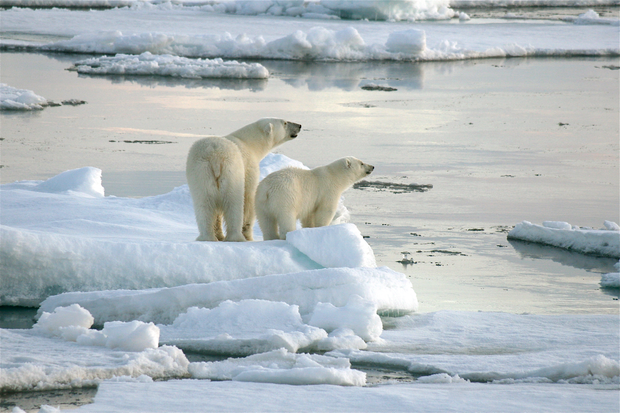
(146, 142)
(62, 399)
(393, 187)
(379, 88)
(17, 317)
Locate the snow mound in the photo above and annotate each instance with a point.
(604, 242)
(168, 65)
(86, 181)
(20, 99)
(282, 367)
(334, 246)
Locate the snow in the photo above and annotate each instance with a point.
(147, 64)
(604, 242)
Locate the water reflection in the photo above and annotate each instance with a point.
(589, 263)
(315, 76)
(318, 76)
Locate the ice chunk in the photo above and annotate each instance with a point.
(359, 315)
(280, 366)
(131, 336)
(334, 246)
(20, 99)
(62, 318)
(240, 329)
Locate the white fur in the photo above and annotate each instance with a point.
(222, 175)
(311, 196)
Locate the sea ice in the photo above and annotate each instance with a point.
(20, 99)
(604, 242)
(390, 291)
(280, 366)
(147, 64)
(62, 234)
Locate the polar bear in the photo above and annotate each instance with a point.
(311, 196)
(222, 175)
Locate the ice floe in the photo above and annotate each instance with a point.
(63, 234)
(147, 64)
(604, 242)
(20, 99)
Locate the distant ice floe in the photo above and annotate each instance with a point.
(612, 279)
(20, 99)
(147, 64)
(603, 242)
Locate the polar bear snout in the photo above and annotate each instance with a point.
(369, 169)
(293, 129)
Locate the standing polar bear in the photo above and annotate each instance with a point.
(311, 196)
(222, 175)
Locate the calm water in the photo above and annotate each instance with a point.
(500, 141)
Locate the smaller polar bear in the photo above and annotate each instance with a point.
(222, 175)
(311, 196)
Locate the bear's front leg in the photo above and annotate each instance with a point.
(324, 217)
(249, 213)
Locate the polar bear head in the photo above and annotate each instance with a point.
(266, 133)
(352, 168)
(279, 130)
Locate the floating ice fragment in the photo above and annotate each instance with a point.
(563, 235)
(20, 99)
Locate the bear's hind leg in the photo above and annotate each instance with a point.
(286, 223)
(217, 227)
(233, 215)
(206, 225)
(268, 226)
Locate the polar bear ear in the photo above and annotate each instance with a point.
(268, 128)
(348, 162)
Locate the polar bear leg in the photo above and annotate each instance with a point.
(204, 218)
(286, 223)
(268, 225)
(233, 210)
(324, 217)
(217, 228)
